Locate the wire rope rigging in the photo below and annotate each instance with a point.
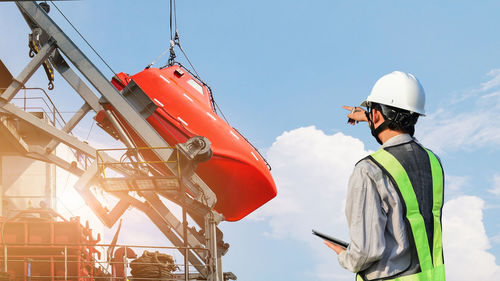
(176, 42)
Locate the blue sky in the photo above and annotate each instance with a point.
(280, 70)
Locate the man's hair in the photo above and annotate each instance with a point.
(398, 119)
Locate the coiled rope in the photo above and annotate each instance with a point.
(153, 265)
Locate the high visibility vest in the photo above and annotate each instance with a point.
(431, 263)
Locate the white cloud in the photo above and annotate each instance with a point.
(466, 125)
(493, 82)
(460, 131)
(311, 170)
(465, 241)
(495, 239)
(455, 183)
(491, 95)
(496, 185)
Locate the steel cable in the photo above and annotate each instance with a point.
(83, 38)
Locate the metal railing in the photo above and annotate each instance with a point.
(73, 263)
(37, 100)
(146, 171)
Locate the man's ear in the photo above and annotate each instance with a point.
(377, 116)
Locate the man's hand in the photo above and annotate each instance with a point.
(334, 247)
(357, 114)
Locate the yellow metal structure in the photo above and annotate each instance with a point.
(147, 175)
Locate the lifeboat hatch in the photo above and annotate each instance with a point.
(178, 72)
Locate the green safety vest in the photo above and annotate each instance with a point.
(432, 266)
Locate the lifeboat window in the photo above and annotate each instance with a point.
(196, 86)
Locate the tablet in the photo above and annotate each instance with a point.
(334, 240)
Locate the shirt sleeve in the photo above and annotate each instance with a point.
(366, 219)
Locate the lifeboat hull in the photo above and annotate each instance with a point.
(237, 173)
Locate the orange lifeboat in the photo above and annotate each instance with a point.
(237, 173)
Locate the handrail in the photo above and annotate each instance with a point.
(75, 253)
(102, 165)
(50, 104)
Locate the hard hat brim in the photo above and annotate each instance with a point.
(366, 102)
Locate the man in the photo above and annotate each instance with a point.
(395, 195)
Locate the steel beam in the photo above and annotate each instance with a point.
(160, 223)
(95, 77)
(197, 212)
(70, 125)
(153, 208)
(65, 138)
(33, 65)
(75, 81)
(109, 92)
(193, 239)
(9, 133)
(82, 187)
(86, 178)
(215, 273)
(39, 153)
(54, 132)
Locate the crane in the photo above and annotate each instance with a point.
(53, 50)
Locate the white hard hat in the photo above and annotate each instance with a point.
(400, 90)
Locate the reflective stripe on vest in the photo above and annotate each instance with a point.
(432, 267)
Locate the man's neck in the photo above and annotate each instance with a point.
(387, 134)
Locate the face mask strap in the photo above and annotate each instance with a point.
(375, 132)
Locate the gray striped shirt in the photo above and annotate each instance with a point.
(379, 242)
